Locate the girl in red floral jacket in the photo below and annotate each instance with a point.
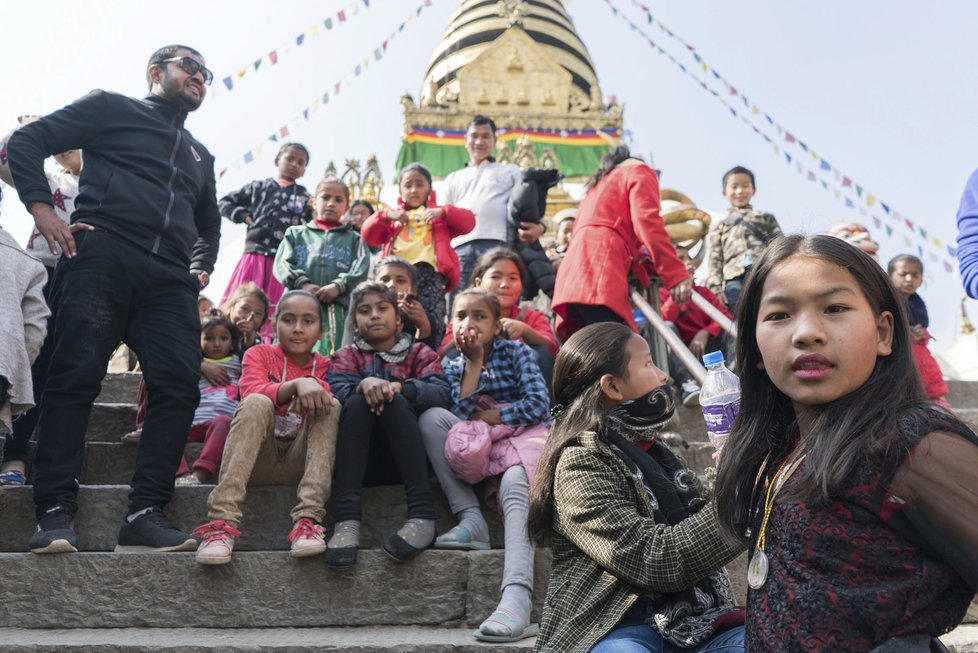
(421, 232)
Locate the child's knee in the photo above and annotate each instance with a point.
(255, 406)
(435, 424)
(515, 483)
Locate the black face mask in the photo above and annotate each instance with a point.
(641, 419)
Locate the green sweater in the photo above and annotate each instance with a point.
(308, 254)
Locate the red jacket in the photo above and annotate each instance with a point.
(262, 367)
(689, 318)
(614, 220)
(378, 230)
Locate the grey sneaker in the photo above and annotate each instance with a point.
(153, 532)
(55, 531)
(691, 393)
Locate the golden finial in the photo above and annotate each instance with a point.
(966, 325)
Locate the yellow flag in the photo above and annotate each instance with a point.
(241, 73)
(870, 199)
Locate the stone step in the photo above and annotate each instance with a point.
(111, 463)
(110, 421)
(257, 589)
(364, 639)
(265, 523)
(120, 388)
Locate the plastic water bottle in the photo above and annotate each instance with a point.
(719, 398)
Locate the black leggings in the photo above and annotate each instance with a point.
(361, 435)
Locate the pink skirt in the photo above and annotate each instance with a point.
(257, 268)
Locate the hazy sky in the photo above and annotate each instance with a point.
(885, 91)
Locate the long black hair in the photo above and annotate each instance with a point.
(589, 354)
(864, 421)
(616, 154)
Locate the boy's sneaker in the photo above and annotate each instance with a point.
(55, 531)
(216, 542)
(152, 532)
(308, 539)
(691, 393)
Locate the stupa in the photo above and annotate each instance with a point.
(522, 63)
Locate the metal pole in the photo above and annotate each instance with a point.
(677, 346)
(725, 322)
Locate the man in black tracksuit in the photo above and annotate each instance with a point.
(142, 242)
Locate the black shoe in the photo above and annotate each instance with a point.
(343, 557)
(151, 532)
(399, 549)
(55, 531)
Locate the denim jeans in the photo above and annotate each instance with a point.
(112, 291)
(731, 293)
(633, 635)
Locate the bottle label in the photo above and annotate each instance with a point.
(720, 418)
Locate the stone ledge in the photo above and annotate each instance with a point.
(368, 639)
(265, 522)
(265, 589)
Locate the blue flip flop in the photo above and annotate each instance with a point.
(13, 478)
(459, 539)
(516, 634)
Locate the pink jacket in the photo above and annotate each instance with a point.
(476, 450)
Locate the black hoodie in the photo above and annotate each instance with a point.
(144, 178)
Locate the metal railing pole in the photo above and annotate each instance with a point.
(677, 346)
(714, 313)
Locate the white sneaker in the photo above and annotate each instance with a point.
(691, 393)
(217, 542)
(308, 539)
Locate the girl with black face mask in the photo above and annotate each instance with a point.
(637, 553)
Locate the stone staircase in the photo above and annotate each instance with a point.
(99, 601)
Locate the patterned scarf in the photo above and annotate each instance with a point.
(640, 420)
(395, 354)
(689, 617)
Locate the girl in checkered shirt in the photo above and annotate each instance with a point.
(498, 381)
(638, 554)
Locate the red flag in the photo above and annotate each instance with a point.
(336, 90)
(284, 131)
(847, 182)
(273, 57)
(341, 16)
(788, 137)
(908, 223)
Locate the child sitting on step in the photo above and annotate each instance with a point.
(385, 381)
(491, 370)
(220, 343)
(402, 277)
(283, 433)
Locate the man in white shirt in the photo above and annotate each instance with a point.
(483, 187)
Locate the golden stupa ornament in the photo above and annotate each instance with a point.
(512, 10)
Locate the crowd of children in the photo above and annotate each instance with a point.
(357, 382)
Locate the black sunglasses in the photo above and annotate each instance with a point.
(191, 67)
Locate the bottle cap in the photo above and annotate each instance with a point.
(713, 358)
